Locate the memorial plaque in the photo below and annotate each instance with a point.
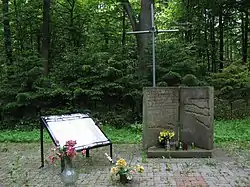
(78, 127)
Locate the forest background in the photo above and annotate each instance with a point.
(64, 56)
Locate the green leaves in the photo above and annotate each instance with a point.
(22, 98)
(232, 81)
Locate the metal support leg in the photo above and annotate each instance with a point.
(110, 152)
(41, 143)
(87, 153)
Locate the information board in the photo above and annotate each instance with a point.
(79, 127)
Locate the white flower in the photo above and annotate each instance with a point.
(129, 177)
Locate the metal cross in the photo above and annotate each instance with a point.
(154, 31)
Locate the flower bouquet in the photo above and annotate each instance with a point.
(165, 137)
(124, 171)
(66, 154)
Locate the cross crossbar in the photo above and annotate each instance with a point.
(150, 31)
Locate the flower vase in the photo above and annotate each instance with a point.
(168, 145)
(162, 144)
(123, 178)
(68, 175)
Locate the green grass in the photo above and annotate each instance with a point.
(118, 136)
(232, 131)
(224, 131)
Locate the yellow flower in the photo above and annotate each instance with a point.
(161, 139)
(114, 170)
(139, 168)
(171, 134)
(164, 133)
(121, 162)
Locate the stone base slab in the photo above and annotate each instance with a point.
(156, 152)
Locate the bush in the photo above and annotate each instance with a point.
(190, 80)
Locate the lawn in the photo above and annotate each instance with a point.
(124, 135)
(224, 131)
(231, 131)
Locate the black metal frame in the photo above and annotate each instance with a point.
(43, 123)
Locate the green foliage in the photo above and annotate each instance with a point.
(190, 80)
(137, 128)
(172, 78)
(94, 65)
(233, 82)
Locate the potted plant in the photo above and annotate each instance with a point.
(66, 154)
(124, 171)
(165, 137)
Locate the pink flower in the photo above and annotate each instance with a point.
(71, 152)
(83, 152)
(71, 143)
(132, 172)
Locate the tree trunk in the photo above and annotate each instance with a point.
(242, 36)
(72, 31)
(123, 28)
(143, 23)
(227, 44)
(221, 38)
(206, 40)
(45, 44)
(144, 39)
(38, 39)
(189, 31)
(212, 38)
(245, 37)
(18, 27)
(7, 31)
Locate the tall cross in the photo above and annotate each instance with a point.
(154, 31)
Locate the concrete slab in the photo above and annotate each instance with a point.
(156, 152)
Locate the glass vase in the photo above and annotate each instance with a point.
(68, 175)
(123, 178)
(168, 145)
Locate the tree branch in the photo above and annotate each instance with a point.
(129, 10)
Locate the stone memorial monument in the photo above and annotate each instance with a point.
(189, 111)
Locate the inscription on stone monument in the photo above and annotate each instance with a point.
(160, 111)
(165, 108)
